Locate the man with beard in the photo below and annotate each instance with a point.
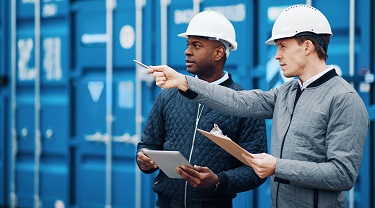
(174, 119)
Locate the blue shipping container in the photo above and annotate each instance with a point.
(73, 103)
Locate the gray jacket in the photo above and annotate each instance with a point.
(318, 141)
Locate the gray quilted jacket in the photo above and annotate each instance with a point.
(171, 126)
(318, 140)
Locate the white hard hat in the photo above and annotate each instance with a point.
(214, 25)
(297, 19)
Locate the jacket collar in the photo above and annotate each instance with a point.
(327, 76)
(292, 98)
(227, 82)
(192, 95)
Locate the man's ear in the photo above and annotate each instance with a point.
(309, 47)
(219, 53)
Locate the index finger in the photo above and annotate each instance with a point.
(143, 156)
(150, 70)
(153, 69)
(187, 173)
(160, 68)
(189, 170)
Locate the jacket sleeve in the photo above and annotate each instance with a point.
(153, 135)
(345, 140)
(252, 137)
(246, 103)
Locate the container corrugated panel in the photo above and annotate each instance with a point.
(171, 50)
(338, 55)
(53, 172)
(93, 100)
(24, 162)
(339, 51)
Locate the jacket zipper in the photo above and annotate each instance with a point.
(316, 198)
(199, 113)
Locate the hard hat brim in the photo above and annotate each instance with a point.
(183, 35)
(270, 41)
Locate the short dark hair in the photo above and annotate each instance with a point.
(322, 52)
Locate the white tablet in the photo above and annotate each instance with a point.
(168, 161)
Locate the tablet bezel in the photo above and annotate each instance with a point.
(168, 161)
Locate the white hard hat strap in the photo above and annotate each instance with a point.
(227, 45)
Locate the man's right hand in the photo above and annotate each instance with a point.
(144, 162)
(167, 77)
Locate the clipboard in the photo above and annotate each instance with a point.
(228, 145)
(168, 161)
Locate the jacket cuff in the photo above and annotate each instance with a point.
(279, 170)
(145, 171)
(223, 179)
(280, 180)
(189, 94)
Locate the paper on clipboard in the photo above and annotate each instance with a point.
(228, 145)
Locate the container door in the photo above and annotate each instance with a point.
(108, 108)
(41, 160)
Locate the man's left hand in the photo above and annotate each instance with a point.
(198, 177)
(263, 164)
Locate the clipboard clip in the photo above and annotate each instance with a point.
(217, 131)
